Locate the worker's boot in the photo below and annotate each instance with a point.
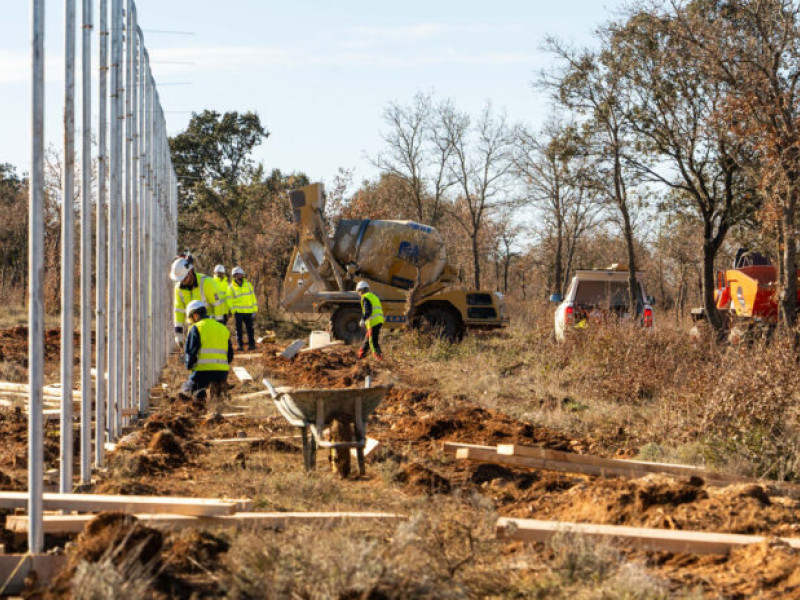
(378, 357)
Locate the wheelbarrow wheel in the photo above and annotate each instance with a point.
(309, 449)
(341, 431)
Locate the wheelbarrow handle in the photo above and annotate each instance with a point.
(270, 388)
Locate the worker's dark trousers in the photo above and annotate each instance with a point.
(245, 320)
(199, 380)
(373, 341)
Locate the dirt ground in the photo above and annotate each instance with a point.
(172, 453)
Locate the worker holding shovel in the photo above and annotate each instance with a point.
(372, 319)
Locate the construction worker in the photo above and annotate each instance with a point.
(208, 351)
(243, 304)
(372, 319)
(222, 286)
(189, 286)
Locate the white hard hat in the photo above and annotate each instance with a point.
(362, 285)
(219, 269)
(237, 271)
(180, 269)
(194, 306)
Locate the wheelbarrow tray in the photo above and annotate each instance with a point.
(300, 406)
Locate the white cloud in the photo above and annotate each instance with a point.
(14, 66)
(252, 57)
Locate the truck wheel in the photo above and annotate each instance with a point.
(344, 323)
(442, 321)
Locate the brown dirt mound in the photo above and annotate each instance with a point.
(165, 442)
(770, 569)
(339, 369)
(196, 552)
(126, 488)
(14, 344)
(179, 425)
(655, 501)
(114, 536)
(419, 479)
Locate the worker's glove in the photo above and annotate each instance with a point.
(179, 340)
(360, 353)
(369, 332)
(362, 324)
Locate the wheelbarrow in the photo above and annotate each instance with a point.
(313, 410)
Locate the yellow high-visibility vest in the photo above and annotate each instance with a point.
(206, 291)
(377, 310)
(222, 288)
(242, 299)
(213, 354)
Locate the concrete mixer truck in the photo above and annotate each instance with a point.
(405, 264)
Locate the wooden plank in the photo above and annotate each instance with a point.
(8, 386)
(643, 467)
(333, 344)
(242, 374)
(656, 540)
(452, 447)
(133, 504)
(251, 396)
(530, 462)
(292, 350)
(248, 356)
(64, 524)
(237, 440)
(14, 568)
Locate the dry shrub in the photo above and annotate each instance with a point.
(447, 551)
(752, 413)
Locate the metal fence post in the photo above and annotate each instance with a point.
(86, 250)
(101, 215)
(67, 250)
(35, 283)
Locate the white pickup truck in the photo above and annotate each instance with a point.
(598, 296)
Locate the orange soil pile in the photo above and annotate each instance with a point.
(333, 369)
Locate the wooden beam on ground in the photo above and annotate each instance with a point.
(251, 396)
(64, 524)
(452, 447)
(242, 374)
(248, 356)
(635, 466)
(15, 568)
(323, 347)
(196, 507)
(237, 440)
(655, 540)
(617, 468)
(7, 386)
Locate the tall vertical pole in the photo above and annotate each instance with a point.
(141, 255)
(113, 223)
(86, 248)
(100, 284)
(67, 249)
(126, 223)
(133, 289)
(35, 284)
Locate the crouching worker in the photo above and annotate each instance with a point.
(208, 351)
(371, 319)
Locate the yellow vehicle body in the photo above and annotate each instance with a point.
(394, 257)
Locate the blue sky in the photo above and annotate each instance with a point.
(318, 73)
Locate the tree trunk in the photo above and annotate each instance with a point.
(709, 283)
(789, 290)
(558, 276)
(476, 260)
(628, 233)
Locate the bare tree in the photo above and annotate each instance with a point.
(593, 85)
(481, 164)
(418, 150)
(552, 164)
